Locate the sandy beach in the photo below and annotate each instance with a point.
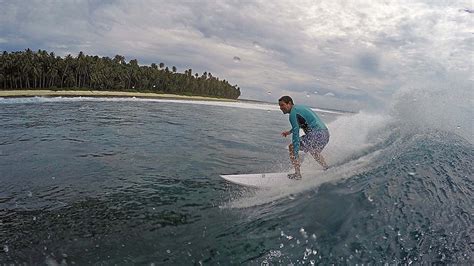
(72, 93)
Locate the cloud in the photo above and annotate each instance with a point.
(286, 47)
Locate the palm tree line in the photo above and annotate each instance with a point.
(42, 70)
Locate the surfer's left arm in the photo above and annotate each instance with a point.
(286, 133)
(295, 130)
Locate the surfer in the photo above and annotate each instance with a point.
(316, 133)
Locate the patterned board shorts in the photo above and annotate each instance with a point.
(314, 141)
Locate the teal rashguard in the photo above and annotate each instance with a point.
(303, 117)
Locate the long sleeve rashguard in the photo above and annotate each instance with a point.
(303, 117)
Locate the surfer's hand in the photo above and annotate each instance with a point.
(285, 133)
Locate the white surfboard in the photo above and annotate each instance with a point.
(265, 180)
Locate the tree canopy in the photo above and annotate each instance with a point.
(42, 70)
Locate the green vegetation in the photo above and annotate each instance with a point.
(43, 70)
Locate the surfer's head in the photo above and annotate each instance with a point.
(286, 103)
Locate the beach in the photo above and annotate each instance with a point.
(87, 93)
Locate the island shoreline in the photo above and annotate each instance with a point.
(106, 94)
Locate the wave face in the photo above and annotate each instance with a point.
(401, 189)
(137, 182)
(395, 194)
(411, 203)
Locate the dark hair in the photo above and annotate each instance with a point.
(286, 99)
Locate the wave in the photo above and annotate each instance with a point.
(367, 140)
(400, 190)
(412, 205)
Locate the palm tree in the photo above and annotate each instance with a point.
(39, 69)
(68, 61)
(119, 59)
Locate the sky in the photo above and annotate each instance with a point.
(350, 55)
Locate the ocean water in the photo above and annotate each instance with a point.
(130, 181)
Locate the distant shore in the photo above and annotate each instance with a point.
(86, 93)
(125, 94)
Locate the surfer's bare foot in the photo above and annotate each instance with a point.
(294, 176)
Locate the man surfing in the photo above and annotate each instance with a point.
(316, 133)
